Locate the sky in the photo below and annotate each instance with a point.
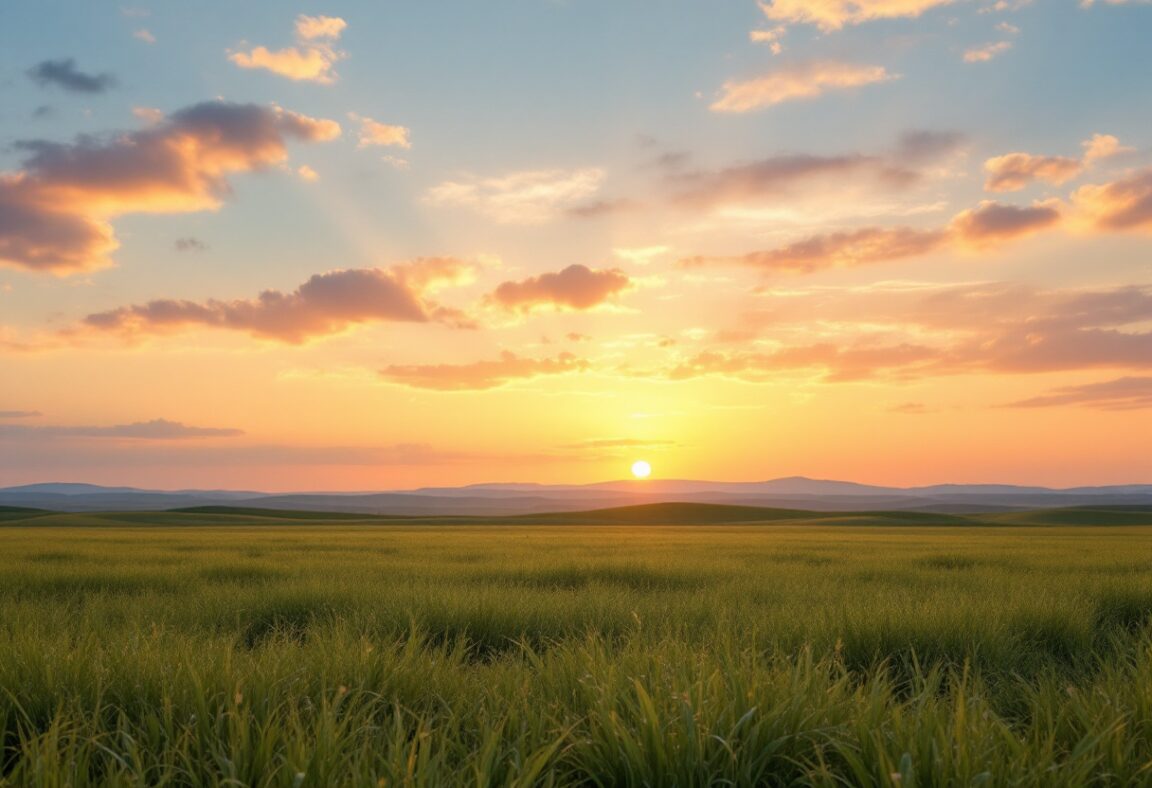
(353, 245)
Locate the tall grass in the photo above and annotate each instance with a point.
(327, 654)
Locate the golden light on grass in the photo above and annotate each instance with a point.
(641, 469)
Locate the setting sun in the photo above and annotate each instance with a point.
(641, 469)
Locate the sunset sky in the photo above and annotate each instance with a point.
(379, 245)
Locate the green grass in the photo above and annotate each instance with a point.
(238, 647)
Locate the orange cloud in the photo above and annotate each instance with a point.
(986, 225)
(987, 52)
(1102, 146)
(798, 81)
(992, 222)
(831, 15)
(373, 132)
(156, 429)
(840, 363)
(1014, 171)
(922, 332)
(575, 287)
(326, 304)
(313, 59)
(54, 212)
(310, 28)
(1129, 393)
(836, 250)
(481, 374)
(1125, 204)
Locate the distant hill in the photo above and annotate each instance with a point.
(503, 499)
(657, 514)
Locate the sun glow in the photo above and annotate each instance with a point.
(641, 469)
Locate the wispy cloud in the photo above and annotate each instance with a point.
(1129, 393)
(982, 54)
(803, 80)
(835, 250)
(987, 225)
(526, 197)
(831, 15)
(156, 429)
(913, 333)
(480, 375)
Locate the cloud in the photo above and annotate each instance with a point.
(991, 222)
(19, 414)
(841, 363)
(797, 81)
(831, 15)
(906, 333)
(145, 35)
(835, 250)
(1090, 3)
(313, 59)
(783, 175)
(1128, 393)
(641, 255)
(526, 197)
(915, 156)
(55, 211)
(189, 244)
(149, 115)
(599, 208)
(576, 287)
(326, 304)
(307, 174)
(373, 132)
(312, 28)
(770, 37)
(481, 374)
(1014, 171)
(926, 146)
(1102, 146)
(1125, 204)
(64, 74)
(983, 54)
(157, 429)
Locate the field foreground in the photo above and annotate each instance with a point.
(222, 648)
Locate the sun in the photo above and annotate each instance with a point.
(641, 469)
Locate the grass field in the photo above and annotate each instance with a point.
(217, 647)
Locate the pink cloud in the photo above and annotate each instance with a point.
(481, 374)
(325, 304)
(55, 211)
(575, 287)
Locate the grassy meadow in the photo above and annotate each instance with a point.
(217, 648)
